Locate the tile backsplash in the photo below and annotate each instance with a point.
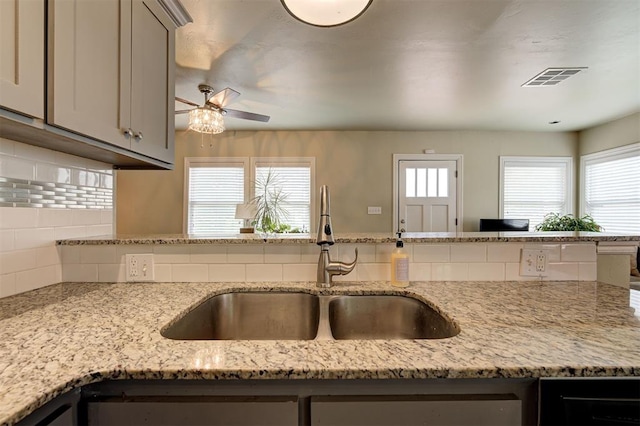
(298, 262)
(46, 196)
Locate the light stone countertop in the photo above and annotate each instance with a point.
(67, 335)
(360, 238)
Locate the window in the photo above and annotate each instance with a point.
(214, 186)
(532, 187)
(610, 182)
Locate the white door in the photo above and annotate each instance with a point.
(427, 196)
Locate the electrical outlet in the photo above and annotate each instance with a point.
(139, 267)
(534, 263)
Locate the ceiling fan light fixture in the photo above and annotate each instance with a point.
(326, 13)
(206, 120)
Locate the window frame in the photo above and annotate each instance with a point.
(249, 164)
(531, 161)
(607, 155)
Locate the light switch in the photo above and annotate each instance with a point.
(374, 210)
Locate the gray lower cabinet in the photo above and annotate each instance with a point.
(443, 410)
(231, 411)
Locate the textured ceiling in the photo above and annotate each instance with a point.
(416, 64)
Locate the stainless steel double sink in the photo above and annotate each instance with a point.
(302, 316)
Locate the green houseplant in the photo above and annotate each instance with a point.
(270, 200)
(567, 222)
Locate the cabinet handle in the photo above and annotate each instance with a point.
(128, 133)
(138, 136)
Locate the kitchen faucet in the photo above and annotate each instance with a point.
(326, 267)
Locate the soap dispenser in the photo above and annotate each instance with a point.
(399, 264)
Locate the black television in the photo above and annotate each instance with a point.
(502, 225)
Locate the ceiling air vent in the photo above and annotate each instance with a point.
(552, 76)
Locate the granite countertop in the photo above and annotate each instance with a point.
(360, 238)
(64, 336)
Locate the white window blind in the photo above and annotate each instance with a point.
(295, 184)
(214, 192)
(611, 194)
(532, 187)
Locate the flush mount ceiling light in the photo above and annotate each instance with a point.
(206, 120)
(552, 76)
(326, 13)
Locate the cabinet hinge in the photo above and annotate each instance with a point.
(456, 174)
(456, 221)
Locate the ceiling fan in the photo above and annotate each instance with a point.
(208, 118)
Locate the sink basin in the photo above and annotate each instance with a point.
(250, 316)
(386, 317)
(301, 316)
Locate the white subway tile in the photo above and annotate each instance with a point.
(80, 273)
(587, 271)
(86, 217)
(17, 168)
(162, 273)
(208, 253)
(18, 217)
(70, 254)
(47, 256)
(189, 273)
(106, 181)
(171, 254)
(69, 160)
(264, 272)
(98, 254)
(7, 240)
(99, 230)
(63, 175)
(106, 216)
(347, 252)
(419, 271)
(450, 272)
(487, 271)
(553, 249)
(7, 283)
(122, 251)
(33, 238)
(34, 153)
(113, 273)
(54, 217)
(431, 253)
(282, 254)
(227, 272)
(352, 276)
(299, 272)
(578, 252)
(46, 172)
(98, 166)
(468, 252)
(37, 278)
(503, 252)
(512, 273)
(562, 271)
(309, 253)
(383, 252)
(245, 253)
(17, 260)
(69, 232)
(373, 272)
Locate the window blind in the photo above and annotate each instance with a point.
(295, 183)
(612, 190)
(533, 188)
(213, 194)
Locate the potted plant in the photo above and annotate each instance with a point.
(567, 222)
(270, 200)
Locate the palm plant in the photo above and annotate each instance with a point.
(270, 200)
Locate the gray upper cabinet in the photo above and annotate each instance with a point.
(111, 73)
(22, 56)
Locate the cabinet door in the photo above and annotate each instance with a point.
(22, 56)
(89, 81)
(152, 81)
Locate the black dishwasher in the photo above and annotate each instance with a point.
(601, 401)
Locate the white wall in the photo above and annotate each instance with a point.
(29, 258)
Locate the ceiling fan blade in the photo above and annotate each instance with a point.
(247, 115)
(184, 101)
(223, 97)
(182, 111)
